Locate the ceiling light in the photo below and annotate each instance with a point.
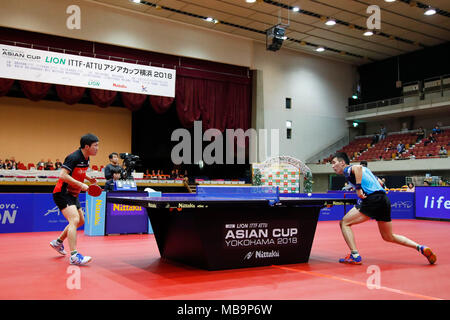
(330, 22)
(209, 19)
(389, 0)
(430, 11)
(320, 49)
(368, 33)
(296, 9)
(250, 1)
(136, 1)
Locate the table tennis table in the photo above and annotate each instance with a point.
(233, 227)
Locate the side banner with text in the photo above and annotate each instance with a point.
(75, 70)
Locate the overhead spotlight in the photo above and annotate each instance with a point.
(368, 33)
(430, 11)
(136, 1)
(209, 19)
(330, 22)
(296, 9)
(389, 0)
(250, 1)
(320, 49)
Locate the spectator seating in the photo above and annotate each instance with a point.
(361, 149)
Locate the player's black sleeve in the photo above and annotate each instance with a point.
(70, 162)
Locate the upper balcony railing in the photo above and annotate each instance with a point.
(419, 90)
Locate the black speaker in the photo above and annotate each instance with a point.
(275, 37)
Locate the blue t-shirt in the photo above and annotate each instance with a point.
(369, 182)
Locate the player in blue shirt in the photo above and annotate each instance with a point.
(375, 204)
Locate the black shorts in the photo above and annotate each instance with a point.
(376, 206)
(63, 200)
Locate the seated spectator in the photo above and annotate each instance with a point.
(426, 183)
(116, 174)
(2, 164)
(430, 139)
(347, 187)
(411, 155)
(420, 134)
(40, 165)
(13, 163)
(374, 139)
(49, 165)
(443, 152)
(411, 187)
(437, 130)
(58, 164)
(390, 146)
(400, 147)
(9, 165)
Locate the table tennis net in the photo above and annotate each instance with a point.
(243, 192)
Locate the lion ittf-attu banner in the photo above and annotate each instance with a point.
(67, 69)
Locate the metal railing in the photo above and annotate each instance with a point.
(417, 89)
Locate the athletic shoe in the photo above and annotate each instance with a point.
(59, 247)
(351, 260)
(79, 259)
(428, 254)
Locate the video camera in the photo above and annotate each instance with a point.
(129, 162)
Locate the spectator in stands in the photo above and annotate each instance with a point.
(13, 164)
(431, 139)
(374, 138)
(383, 132)
(411, 187)
(437, 130)
(390, 146)
(114, 164)
(58, 164)
(411, 155)
(116, 174)
(1, 164)
(443, 152)
(426, 184)
(347, 187)
(400, 148)
(420, 134)
(40, 165)
(49, 165)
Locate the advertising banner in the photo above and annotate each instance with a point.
(95, 215)
(433, 202)
(16, 212)
(47, 216)
(75, 70)
(31, 212)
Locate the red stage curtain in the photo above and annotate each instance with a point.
(161, 104)
(218, 104)
(70, 94)
(102, 98)
(133, 101)
(190, 97)
(35, 91)
(5, 86)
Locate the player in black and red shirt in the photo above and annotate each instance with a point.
(65, 195)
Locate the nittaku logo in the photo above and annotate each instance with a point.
(259, 254)
(402, 204)
(249, 255)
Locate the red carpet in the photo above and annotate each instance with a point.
(129, 267)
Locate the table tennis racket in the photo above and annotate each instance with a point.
(94, 190)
